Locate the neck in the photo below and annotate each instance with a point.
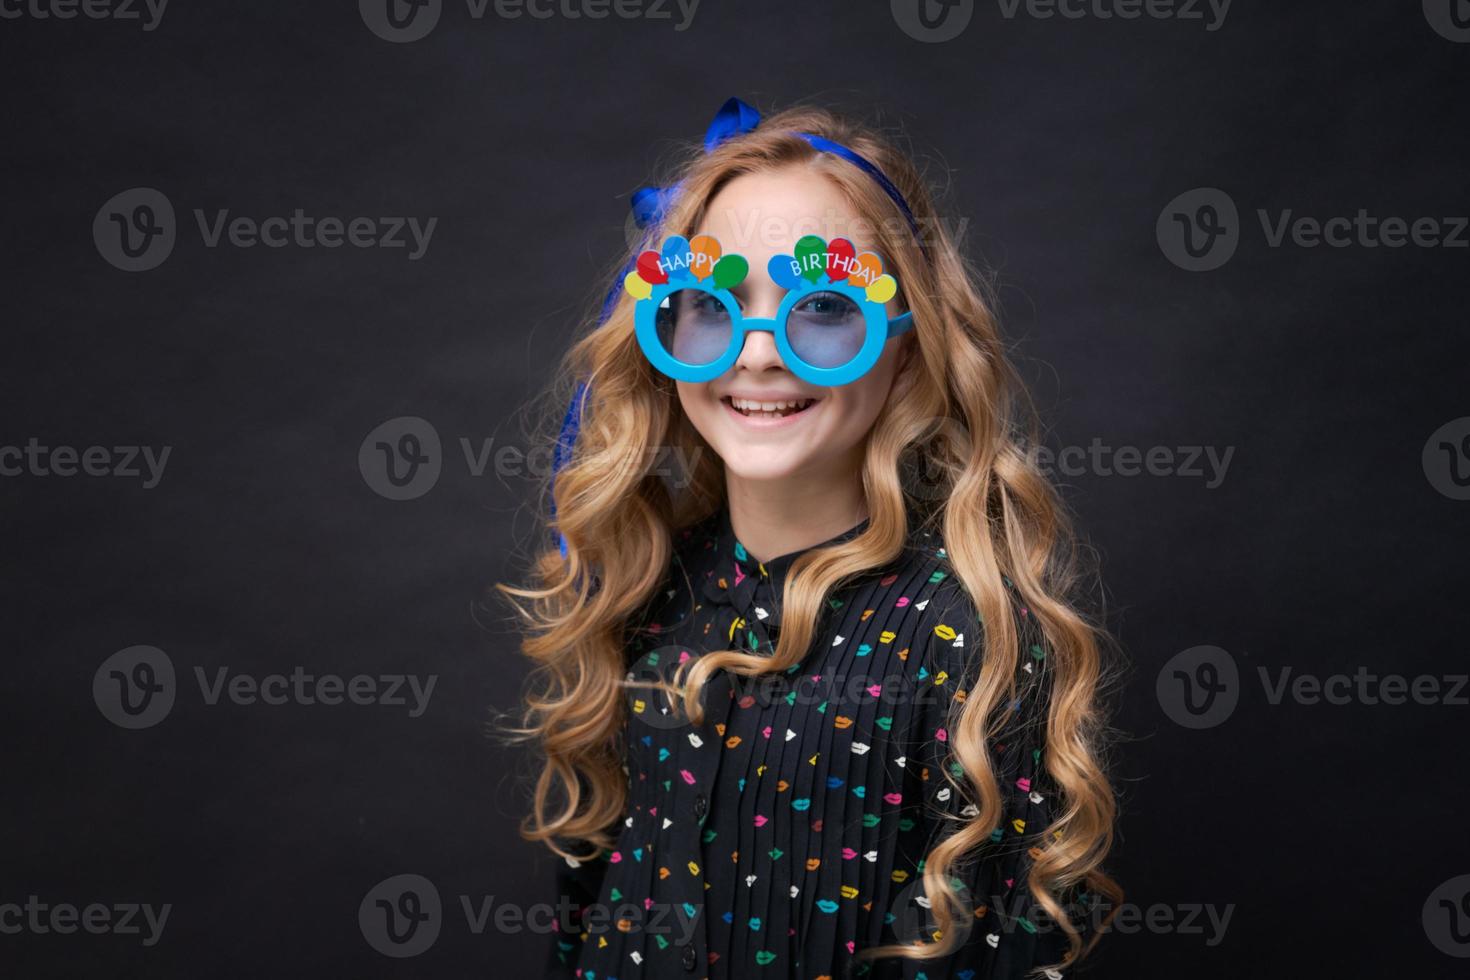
(772, 518)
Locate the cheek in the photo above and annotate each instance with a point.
(699, 405)
(692, 393)
(863, 400)
(856, 408)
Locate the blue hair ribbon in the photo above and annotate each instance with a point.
(837, 149)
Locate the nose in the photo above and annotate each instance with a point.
(759, 352)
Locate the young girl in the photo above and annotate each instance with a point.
(818, 705)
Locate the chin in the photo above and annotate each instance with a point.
(751, 463)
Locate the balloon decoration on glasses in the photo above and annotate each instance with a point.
(829, 329)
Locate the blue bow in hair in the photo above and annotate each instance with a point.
(735, 118)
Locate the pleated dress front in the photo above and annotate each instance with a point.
(787, 831)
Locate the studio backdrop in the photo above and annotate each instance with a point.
(281, 279)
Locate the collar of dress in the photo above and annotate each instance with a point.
(753, 588)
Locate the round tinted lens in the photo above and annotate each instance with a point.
(694, 326)
(826, 329)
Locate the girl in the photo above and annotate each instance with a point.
(819, 705)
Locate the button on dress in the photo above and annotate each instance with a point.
(786, 832)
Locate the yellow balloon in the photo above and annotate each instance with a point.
(636, 287)
(883, 289)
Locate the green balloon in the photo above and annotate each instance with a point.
(812, 269)
(730, 271)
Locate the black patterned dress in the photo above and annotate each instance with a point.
(786, 832)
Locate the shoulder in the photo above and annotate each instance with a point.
(957, 636)
(678, 593)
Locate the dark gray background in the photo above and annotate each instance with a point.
(1061, 141)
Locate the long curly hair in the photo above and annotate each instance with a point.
(953, 448)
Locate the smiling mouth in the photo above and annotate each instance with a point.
(752, 409)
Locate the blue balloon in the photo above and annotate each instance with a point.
(676, 258)
(781, 272)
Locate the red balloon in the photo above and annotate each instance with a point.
(648, 268)
(839, 258)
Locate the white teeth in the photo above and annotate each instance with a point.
(748, 405)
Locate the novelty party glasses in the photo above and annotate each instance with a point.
(829, 329)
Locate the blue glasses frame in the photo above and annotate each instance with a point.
(879, 329)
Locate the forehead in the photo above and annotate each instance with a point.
(763, 214)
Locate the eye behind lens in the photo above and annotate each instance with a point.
(826, 329)
(694, 326)
(827, 305)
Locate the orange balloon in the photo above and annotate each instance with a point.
(865, 269)
(706, 253)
